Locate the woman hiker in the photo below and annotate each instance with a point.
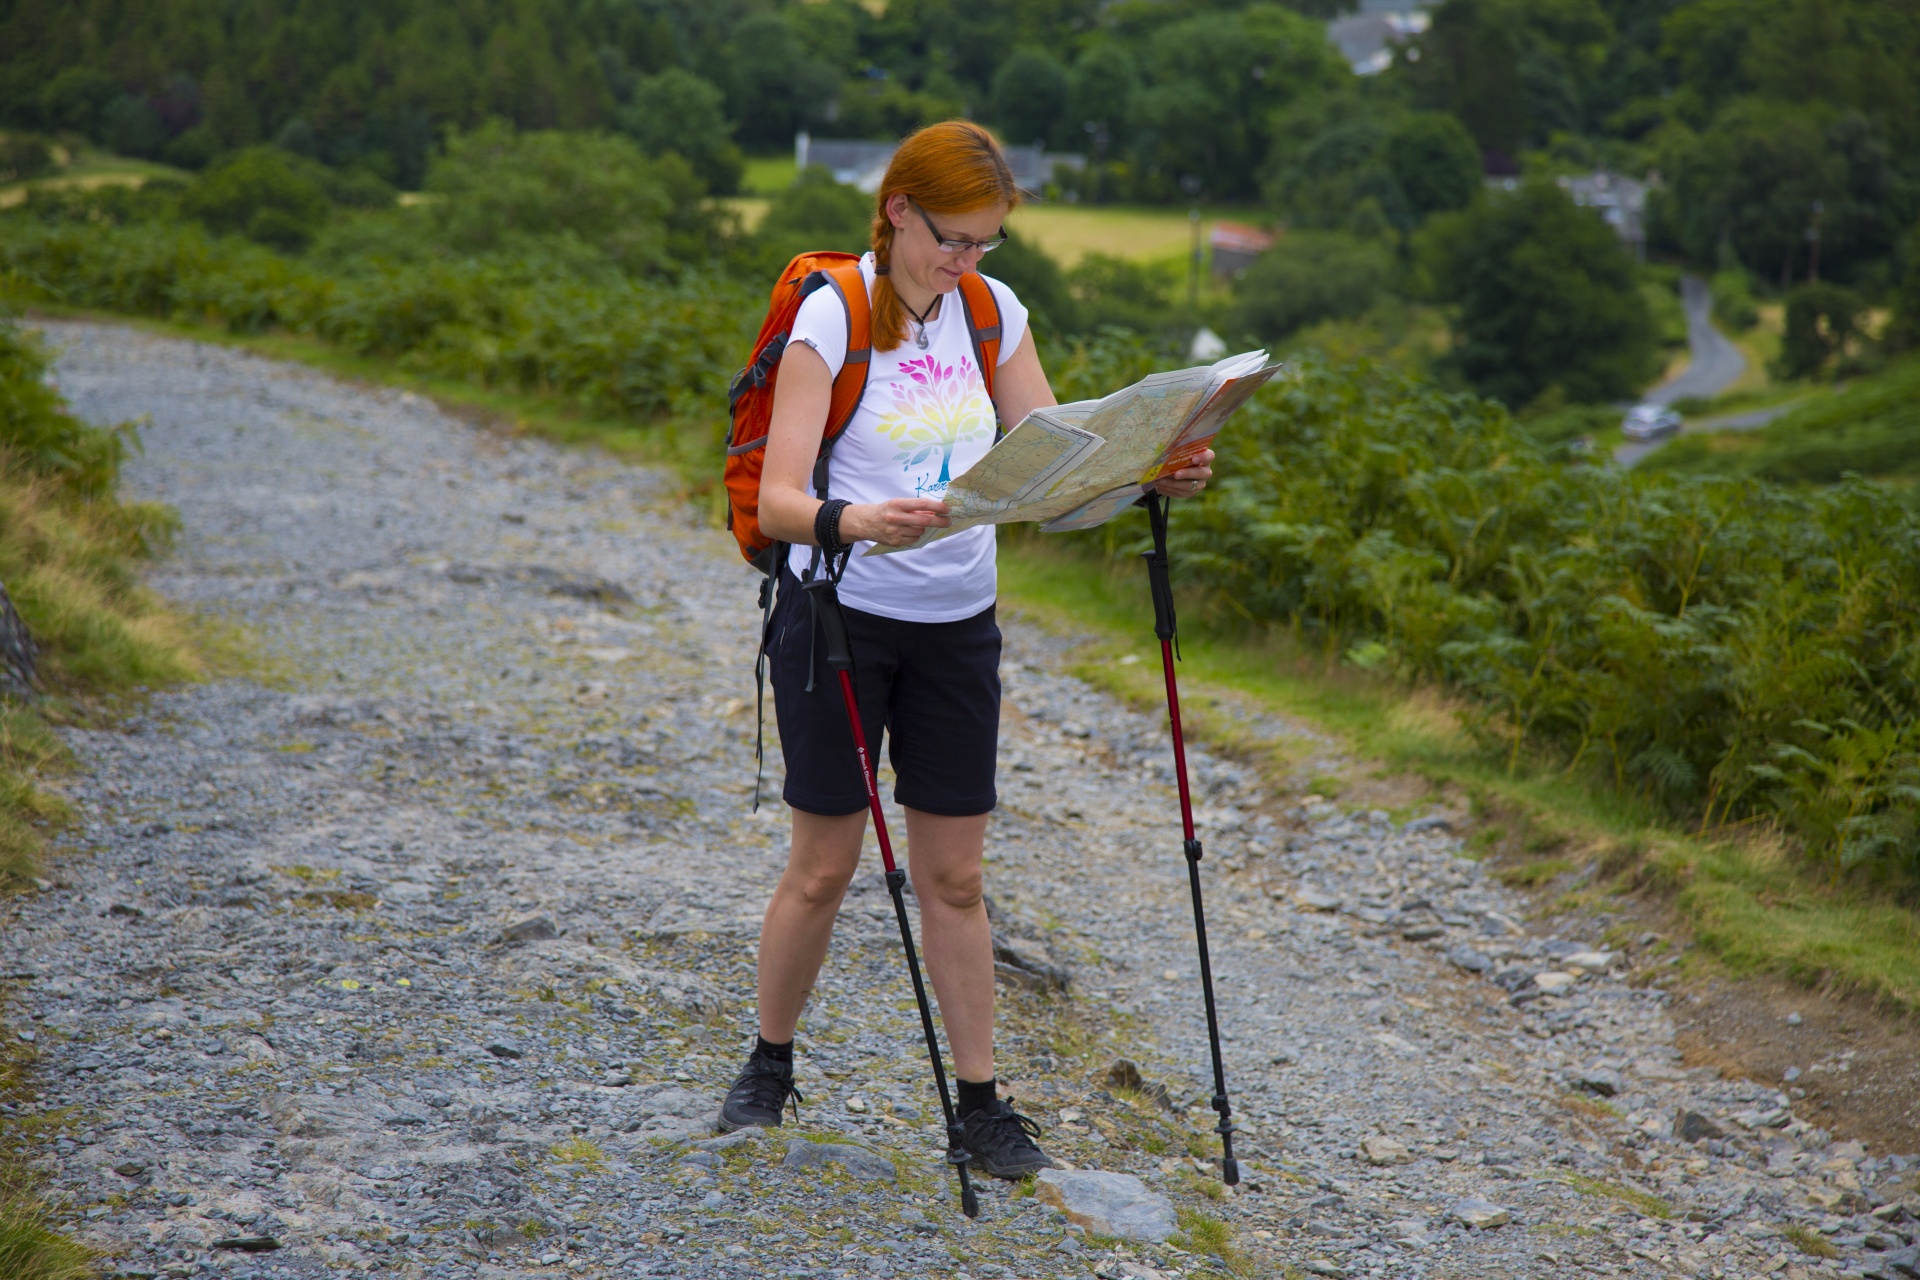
(925, 645)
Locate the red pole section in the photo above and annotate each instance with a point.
(873, 788)
(1179, 739)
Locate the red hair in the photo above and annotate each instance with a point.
(954, 167)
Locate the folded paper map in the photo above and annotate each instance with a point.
(1074, 466)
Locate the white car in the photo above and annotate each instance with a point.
(1649, 422)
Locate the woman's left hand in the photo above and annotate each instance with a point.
(1188, 480)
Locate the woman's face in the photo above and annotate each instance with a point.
(916, 250)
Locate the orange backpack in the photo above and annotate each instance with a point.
(750, 398)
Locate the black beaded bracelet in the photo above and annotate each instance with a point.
(826, 527)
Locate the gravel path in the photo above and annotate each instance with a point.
(432, 956)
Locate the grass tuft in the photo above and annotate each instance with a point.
(1811, 1242)
(1204, 1234)
(1645, 1202)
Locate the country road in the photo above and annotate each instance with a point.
(427, 952)
(1714, 364)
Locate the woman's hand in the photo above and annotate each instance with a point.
(1188, 480)
(895, 522)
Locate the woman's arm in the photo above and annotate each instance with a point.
(801, 397)
(1021, 387)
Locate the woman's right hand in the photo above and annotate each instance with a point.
(897, 522)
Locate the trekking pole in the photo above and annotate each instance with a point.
(1163, 627)
(840, 658)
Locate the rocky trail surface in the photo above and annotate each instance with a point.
(432, 956)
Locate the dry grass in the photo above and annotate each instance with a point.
(1069, 232)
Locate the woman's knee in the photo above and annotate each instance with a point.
(955, 888)
(818, 887)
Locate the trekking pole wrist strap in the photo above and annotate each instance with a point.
(826, 527)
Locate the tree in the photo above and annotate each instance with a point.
(496, 185)
(1308, 277)
(1432, 158)
(1752, 180)
(1903, 331)
(774, 86)
(1102, 85)
(1546, 297)
(678, 111)
(1823, 320)
(1214, 81)
(261, 192)
(1037, 281)
(815, 213)
(1029, 98)
(1466, 64)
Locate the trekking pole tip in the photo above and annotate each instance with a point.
(1230, 1171)
(969, 1200)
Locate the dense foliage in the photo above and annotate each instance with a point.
(588, 271)
(1723, 647)
(1547, 299)
(1871, 428)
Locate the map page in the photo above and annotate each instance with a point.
(1075, 466)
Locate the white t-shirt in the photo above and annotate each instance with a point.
(925, 418)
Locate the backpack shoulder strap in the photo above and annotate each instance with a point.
(983, 326)
(850, 384)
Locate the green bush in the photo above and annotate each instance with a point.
(260, 192)
(497, 187)
(1546, 296)
(1725, 648)
(1308, 277)
(815, 213)
(1733, 304)
(1120, 293)
(677, 111)
(1872, 428)
(637, 347)
(24, 156)
(1037, 281)
(1823, 321)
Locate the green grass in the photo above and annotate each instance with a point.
(1068, 232)
(1204, 1234)
(1643, 1202)
(92, 169)
(1810, 1242)
(1744, 901)
(768, 175)
(1869, 425)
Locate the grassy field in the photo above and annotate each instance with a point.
(91, 169)
(1068, 232)
(1734, 891)
(1065, 232)
(769, 175)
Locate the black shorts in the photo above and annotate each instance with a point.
(933, 686)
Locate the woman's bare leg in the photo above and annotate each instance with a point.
(799, 920)
(955, 936)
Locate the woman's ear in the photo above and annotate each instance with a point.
(897, 209)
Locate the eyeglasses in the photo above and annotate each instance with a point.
(960, 246)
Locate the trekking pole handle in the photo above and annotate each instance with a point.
(1158, 582)
(833, 624)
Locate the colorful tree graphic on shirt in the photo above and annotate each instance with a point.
(938, 407)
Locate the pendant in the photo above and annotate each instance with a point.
(921, 341)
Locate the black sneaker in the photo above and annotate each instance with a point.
(758, 1096)
(1001, 1141)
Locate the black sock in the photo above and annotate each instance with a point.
(976, 1097)
(778, 1052)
